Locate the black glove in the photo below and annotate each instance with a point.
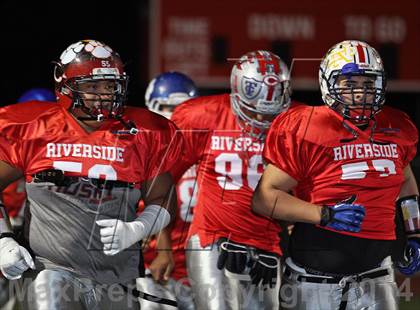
(232, 256)
(264, 267)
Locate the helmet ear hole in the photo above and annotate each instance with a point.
(58, 72)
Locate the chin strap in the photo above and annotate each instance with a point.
(130, 125)
(372, 132)
(356, 135)
(351, 130)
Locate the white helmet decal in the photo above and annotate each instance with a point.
(98, 49)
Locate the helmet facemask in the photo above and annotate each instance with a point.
(357, 103)
(166, 106)
(98, 105)
(248, 114)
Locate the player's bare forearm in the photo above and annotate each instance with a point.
(161, 191)
(280, 205)
(409, 186)
(8, 175)
(271, 199)
(163, 241)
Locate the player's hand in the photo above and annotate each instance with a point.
(117, 235)
(162, 266)
(264, 268)
(14, 259)
(344, 216)
(232, 256)
(411, 263)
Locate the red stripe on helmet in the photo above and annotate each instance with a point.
(276, 66)
(270, 93)
(261, 62)
(361, 53)
(267, 59)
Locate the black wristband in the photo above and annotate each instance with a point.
(8, 235)
(411, 197)
(325, 215)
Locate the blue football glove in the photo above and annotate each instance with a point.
(344, 216)
(411, 263)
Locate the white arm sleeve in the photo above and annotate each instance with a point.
(154, 218)
(117, 235)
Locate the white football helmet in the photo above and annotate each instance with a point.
(349, 59)
(260, 85)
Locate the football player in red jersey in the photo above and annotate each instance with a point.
(87, 161)
(233, 254)
(164, 258)
(14, 195)
(347, 162)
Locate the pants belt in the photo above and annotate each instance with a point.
(335, 280)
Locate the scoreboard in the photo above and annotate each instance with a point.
(204, 38)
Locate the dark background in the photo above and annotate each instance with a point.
(33, 34)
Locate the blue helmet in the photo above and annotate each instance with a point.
(40, 94)
(168, 90)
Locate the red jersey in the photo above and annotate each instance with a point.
(38, 136)
(187, 197)
(54, 139)
(229, 166)
(331, 163)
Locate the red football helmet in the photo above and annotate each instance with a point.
(81, 68)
